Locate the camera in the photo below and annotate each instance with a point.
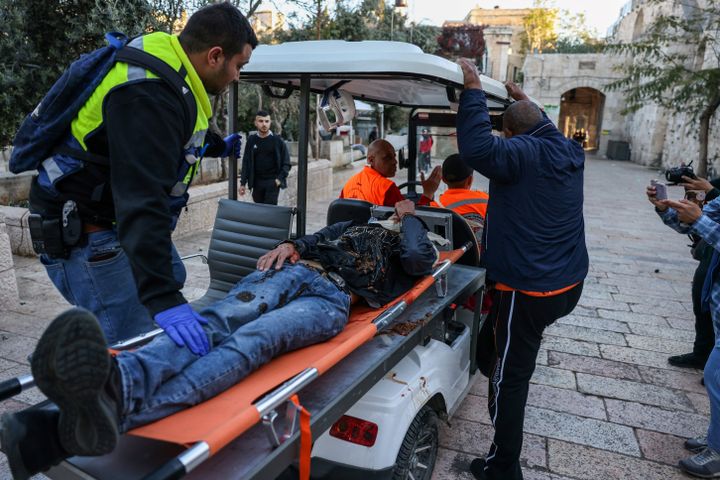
(674, 175)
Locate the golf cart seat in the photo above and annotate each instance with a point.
(344, 209)
(242, 233)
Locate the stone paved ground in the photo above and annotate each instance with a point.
(604, 404)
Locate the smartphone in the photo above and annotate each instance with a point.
(660, 190)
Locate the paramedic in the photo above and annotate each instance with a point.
(471, 204)
(300, 295)
(373, 183)
(123, 266)
(534, 248)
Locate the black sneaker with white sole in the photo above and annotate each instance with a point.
(705, 464)
(72, 366)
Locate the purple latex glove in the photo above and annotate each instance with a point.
(232, 145)
(183, 325)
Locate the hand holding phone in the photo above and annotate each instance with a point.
(660, 190)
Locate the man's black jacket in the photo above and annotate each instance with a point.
(377, 264)
(282, 160)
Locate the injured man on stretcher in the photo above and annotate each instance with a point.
(299, 295)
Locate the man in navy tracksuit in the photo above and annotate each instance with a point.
(534, 248)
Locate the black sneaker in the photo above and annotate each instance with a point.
(687, 360)
(71, 365)
(705, 464)
(697, 444)
(477, 468)
(30, 441)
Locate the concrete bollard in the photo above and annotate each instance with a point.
(9, 295)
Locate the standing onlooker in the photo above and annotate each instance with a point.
(426, 143)
(265, 163)
(685, 216)
(373, 135)
(534, 248)
(704, 335)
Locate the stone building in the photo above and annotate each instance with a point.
(267, 22)
(573, 90)
(503, 40)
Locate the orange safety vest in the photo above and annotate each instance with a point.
(464, 201)
(367, 185)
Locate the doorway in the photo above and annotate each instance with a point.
(581, 115)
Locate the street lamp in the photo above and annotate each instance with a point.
(399, 4)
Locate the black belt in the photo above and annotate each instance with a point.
(334, 277)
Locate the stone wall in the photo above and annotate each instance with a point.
(548, 76)
(658, 137)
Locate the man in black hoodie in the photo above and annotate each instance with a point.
(265, 163)
(533, 248)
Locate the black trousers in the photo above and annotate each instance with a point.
(704, 334)
(518, 322)
(265, 191)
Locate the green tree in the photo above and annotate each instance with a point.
(40, 38)
(675, 64)
(576, 36)
(540, 27)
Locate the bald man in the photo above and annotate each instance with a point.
(373, 183)
(533, 248)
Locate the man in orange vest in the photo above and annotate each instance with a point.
(471, 204)
(373, 183)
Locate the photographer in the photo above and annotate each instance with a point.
(686, 216)
(695, 189)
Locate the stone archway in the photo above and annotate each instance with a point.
(581, 110)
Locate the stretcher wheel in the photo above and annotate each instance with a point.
(418, 452)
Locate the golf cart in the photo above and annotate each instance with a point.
(374, 412)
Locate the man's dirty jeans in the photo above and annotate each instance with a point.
(264, 315)
(97, 276)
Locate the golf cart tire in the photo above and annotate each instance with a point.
(425, 422)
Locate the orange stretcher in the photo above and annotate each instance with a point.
(208, 427)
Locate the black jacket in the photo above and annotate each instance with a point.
(143, 137)
(282, 159)
(534, 236)
(377, 264)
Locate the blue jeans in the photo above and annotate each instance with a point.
(97, 276)
(711, 374)
(264, 315)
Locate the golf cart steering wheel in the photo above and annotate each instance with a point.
(414, 197)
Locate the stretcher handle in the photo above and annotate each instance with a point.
(281, 394)
(183, 464)
(12, 387)
(172, 470)
(134, 341)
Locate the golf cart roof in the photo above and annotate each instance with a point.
(392, 73)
